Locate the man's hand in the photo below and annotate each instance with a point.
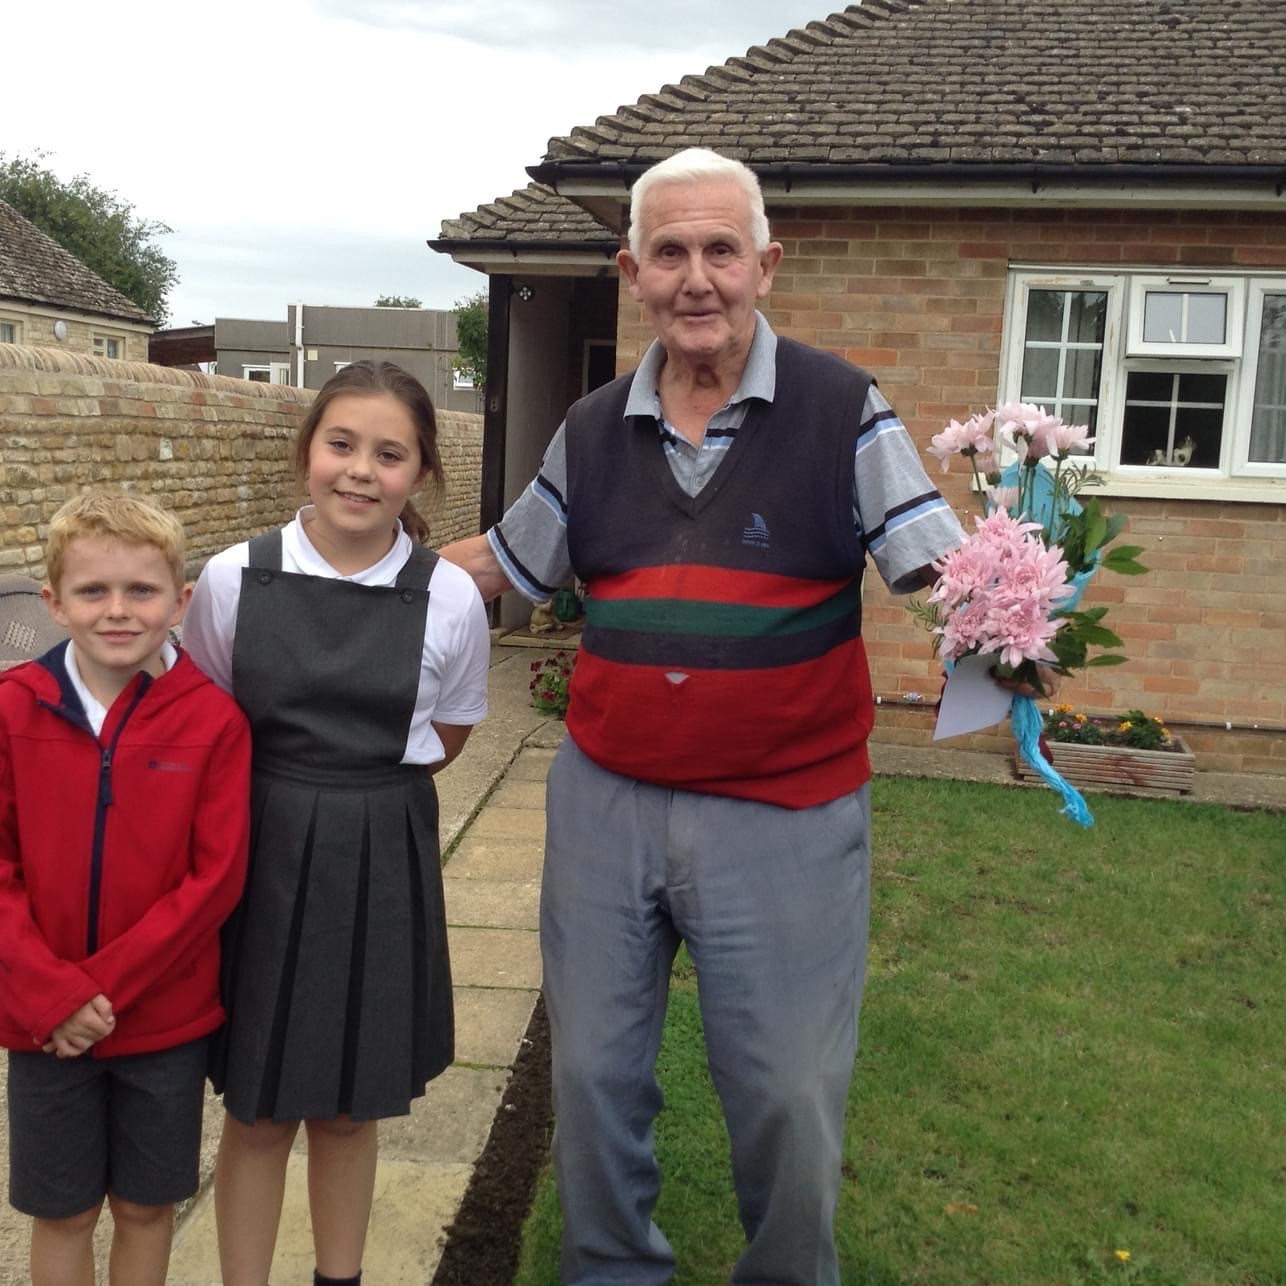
(476, 557)
(1049, 679)
(88, 1025)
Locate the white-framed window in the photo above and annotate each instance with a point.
(8, 332)
(459, 380)
(1179, 375)
(109, 346)
(267, 373)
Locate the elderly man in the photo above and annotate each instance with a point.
(718, 503)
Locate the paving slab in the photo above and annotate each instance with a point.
(496, 859)
(495, 958)
(509, 823)
(450, 1124)
(490, 1023)
(519, 794)
(414, 1201)
(498, 904)
(531, 765)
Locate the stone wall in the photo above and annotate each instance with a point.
(216, 450)
(35, 329)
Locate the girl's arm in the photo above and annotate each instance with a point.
(453, 736)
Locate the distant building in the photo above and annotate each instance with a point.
(314, 342)
(49, 299)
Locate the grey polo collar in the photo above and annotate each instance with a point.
(759, 379)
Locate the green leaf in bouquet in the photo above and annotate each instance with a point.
(1123, 559)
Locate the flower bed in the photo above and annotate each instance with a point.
(1133, 753)
(1163, 772)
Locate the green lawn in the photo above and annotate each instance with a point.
(1073, 1043)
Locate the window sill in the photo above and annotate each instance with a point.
(1259, 491)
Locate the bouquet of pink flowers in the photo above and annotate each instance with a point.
(1012, 588)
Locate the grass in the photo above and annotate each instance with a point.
(1073, 1043)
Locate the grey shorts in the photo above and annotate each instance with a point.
(80, 1128)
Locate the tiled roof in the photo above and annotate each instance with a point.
(36, 269)
(534, 215)
(976, 82)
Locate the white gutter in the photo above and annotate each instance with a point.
(299, 345)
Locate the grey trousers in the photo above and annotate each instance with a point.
(773, 905)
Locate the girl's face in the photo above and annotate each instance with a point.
(363, 464)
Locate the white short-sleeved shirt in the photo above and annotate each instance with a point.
(457, 641)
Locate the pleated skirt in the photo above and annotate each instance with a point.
(336, 978)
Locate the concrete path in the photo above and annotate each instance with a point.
(492, 828)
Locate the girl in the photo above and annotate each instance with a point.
(361, 661)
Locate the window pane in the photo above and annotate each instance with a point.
(1040, 375)
(1151, 386)
(1088, 317)
(1196, 437)
(1268, 419)
(1162, 317)
(8, 333)
(1145, 433)
(1206, 319)
(1202, 388)
(1045, 314)
(1082, 375)
(260, 376)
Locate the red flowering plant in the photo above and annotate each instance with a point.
(551, 682)
(1012, 587)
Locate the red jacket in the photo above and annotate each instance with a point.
(120, 857)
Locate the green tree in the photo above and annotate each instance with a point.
(100, 228)
(398, 301)
(471, 337)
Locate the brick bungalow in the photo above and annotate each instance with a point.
(1072, 203)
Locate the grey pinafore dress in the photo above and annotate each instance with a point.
(335, 971)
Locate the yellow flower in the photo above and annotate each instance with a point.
(1123, 1256)
(1124, 726)
(1082, 718)
(1063, 709)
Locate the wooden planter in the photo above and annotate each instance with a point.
(1160, 772)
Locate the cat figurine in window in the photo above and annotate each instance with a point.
(1182, 453)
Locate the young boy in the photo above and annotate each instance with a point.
(124, 801)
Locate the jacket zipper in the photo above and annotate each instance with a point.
(100, 822)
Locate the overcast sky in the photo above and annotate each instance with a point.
(306, 149)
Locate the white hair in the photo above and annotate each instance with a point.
(696, 164)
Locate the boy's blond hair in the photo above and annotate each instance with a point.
(113, 515)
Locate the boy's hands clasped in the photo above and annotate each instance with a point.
(88, 1025)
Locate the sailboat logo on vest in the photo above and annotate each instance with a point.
(756, 534)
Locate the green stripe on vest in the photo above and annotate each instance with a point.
(728, 620)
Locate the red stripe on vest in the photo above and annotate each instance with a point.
(794, 735)
(695, 583)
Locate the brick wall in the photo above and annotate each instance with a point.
(215, 450)
(917, 296)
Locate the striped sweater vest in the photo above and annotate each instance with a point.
(722, 649)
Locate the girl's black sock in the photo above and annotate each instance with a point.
(320, 1280)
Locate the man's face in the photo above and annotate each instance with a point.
(698, 274)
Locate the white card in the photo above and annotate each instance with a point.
(971, 699)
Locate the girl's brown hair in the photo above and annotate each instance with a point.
(365, 378)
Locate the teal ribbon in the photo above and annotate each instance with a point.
(1025, 719)
(1024, 716)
